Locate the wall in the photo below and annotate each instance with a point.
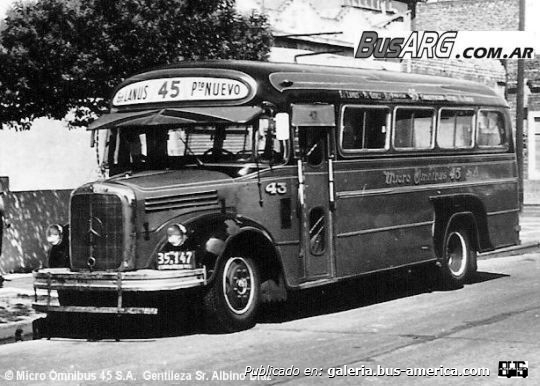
(43, 165)
(532, 103)
(28, 214)
(467, 15)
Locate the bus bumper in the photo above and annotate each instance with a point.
(145, 280)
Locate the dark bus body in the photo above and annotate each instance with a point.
(249, 180)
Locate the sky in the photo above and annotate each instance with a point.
(4, 5)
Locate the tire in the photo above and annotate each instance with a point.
(473, 267)
(232, 300)
(459, 259)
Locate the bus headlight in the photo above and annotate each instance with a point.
(54, 234)
(176, 234)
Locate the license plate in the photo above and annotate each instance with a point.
(176, 260)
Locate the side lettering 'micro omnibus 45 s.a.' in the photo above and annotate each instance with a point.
(249, 180)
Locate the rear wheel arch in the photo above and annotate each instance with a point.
(467, 221)
(466, 210)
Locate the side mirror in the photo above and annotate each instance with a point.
(282, 126)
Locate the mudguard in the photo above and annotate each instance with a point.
(447, 207)
(211, 235)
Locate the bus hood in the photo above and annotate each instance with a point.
(170, 179)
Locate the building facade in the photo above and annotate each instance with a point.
(326, 32)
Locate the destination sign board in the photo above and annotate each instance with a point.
(181, 89)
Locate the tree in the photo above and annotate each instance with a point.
(60, 56)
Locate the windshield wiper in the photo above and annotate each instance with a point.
(197, 160)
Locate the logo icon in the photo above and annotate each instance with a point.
(510, 369)
(95, 230)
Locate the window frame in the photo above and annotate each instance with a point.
(433, 125)
(353, 152)
(505, 145)
(474, 127)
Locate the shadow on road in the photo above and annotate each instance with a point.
(481, 277)
(363, 292)
(185, 317)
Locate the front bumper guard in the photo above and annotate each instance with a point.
(133, 281)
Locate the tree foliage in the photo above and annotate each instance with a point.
(60, 56)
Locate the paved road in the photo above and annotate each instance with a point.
(386, 322)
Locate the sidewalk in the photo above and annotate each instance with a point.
(17, 293)
(16, 297)
(529, 221)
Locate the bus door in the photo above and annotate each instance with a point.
(313, 125)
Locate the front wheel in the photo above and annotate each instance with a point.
(232, 300)
(459, 259)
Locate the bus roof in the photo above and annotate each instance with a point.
(223, 84)
(317, 77)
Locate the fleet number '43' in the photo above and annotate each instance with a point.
(276, 188)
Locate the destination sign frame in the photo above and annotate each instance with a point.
(182, 89)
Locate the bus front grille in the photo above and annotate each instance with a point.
(97, 240)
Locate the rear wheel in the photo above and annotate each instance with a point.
(459, 259)
(232, 300)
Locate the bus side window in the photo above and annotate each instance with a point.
(455, 129)
(413, 128)
(491, 129)
(364, 128)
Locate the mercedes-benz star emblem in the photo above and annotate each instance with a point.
(95, 230)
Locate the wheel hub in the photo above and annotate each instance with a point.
(237, 285)
(241, 286)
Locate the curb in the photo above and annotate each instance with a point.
(530, 247)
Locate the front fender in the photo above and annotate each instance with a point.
(210, 235)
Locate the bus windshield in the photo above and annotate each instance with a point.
(156, 148)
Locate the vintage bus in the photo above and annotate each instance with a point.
(242, 181)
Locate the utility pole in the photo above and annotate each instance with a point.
(520, 106)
